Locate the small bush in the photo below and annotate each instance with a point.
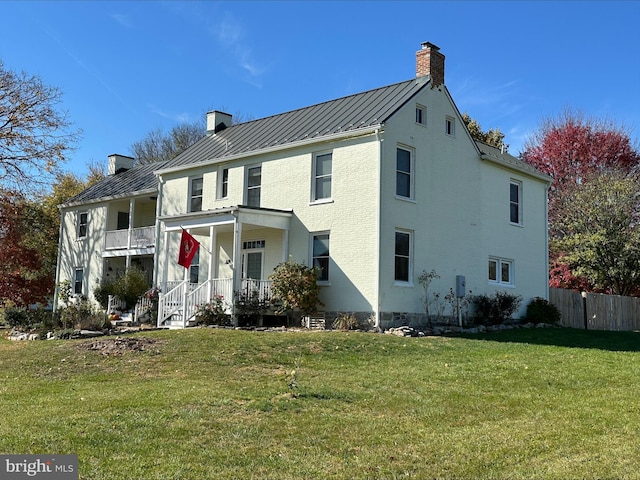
(16, 317)
(346, 321)
(495, 309)
(213, 312)
(540, 310)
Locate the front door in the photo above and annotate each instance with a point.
(252, 259)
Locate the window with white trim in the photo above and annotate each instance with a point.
(403, 269)
(322, 170)
(83, 220)
(223, 183)
(254, 182)
(320, 255)
(195, 194)
(515, 202)
(501, 271)
(78, 281)
(450, 126)
(404, 173)
(421, 115)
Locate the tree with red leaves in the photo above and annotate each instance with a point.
(573, 150)
(23, 280)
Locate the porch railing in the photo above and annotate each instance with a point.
(182, 298)
(140, 237)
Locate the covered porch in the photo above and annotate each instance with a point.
(239, 247)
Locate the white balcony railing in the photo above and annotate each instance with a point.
(142, 237)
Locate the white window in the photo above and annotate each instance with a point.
(252, 259)
(320, 255)
(83, 219)
(515, 202)
(223, 183)
(404, 173)
(450, 126)
(254, 182)
(195, 194)
(421, 115)
(501, 271)
(78, 281)
(322, 168)
(403, 256)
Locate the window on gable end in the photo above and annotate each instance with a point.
(450, 126)
(320, 253)
(83, 220)
(501, 271)
(404, 173)
(515, 202)
(403, 252)
(421, 115)
(78, 281)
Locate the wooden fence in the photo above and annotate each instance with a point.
(596, 311)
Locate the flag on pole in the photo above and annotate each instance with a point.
(188, 248)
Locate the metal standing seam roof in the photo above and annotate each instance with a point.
(344, 114)
(136, 179)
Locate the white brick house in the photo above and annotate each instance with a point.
(375, 188)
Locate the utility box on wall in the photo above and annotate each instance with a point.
(461, 286)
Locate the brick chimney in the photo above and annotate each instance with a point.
(429, 61)
(217, 121)
(119, 163)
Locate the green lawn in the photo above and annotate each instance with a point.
(209, 403)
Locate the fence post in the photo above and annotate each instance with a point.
(584, 310)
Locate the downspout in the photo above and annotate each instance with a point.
(378, 231)
(546, 236)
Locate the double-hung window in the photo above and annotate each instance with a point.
(194, 268)
(195, 204)
(404, 173)
(320, 258)
(223, 183)
(403, 249)
(254, 182)
(83, 218)
(515, 202)
(322, 167)
(78, 281)
(501, 271)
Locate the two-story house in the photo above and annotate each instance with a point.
(373, 188)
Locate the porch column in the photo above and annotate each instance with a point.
(130, 229)
(237, 267)
(285, 245)
(212, 259)
(165, 262)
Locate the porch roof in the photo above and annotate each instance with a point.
(256, 216)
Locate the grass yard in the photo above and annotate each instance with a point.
(216, 404)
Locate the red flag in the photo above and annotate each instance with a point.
(188, 248)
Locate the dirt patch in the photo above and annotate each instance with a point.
(121, 345)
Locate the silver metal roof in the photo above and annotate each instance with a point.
(347, 114)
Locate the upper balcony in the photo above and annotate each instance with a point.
(141, 237)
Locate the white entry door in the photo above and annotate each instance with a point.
(252, 254)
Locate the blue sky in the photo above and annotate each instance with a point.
(126, 68)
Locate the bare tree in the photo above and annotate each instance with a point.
(158, 146)
(34, 135)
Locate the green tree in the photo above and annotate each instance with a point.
(598, 225)
(295, 287)
(34, 135)
(493, 136)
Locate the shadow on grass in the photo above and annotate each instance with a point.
(565, 337)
